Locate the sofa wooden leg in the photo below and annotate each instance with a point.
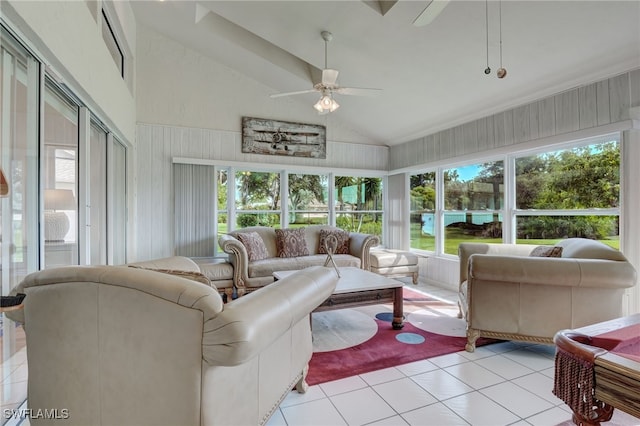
(229, 293)
(415, 277)
(302, 386)
(472, 336)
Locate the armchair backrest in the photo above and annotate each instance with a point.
(106, 342)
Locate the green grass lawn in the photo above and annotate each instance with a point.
(455, 236)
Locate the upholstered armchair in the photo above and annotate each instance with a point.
(116, 345)
(506, 293)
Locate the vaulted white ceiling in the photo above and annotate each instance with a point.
(432, 76)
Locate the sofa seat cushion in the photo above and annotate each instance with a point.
(267, 267)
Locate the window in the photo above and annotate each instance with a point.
(59, 169)
(473, 198)
(222, 178)
(307, 199)
(422, 195)
(358, 204)
(111, 41)
(573, 192)
(257, 199)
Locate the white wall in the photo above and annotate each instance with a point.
(70, 42)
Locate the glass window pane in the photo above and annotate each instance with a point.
(422, 193)
(98, 194)
(246, 219)
(358, 204)
(472, 197)
(223, 213)
(19, 215)
(580, 178)
(551, 229)
(257, 190)
(59, 165)
(117, 179)
(475, 187)
(308, 199)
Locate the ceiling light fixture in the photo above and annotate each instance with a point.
(326, 103)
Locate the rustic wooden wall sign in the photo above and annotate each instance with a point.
(272, 137)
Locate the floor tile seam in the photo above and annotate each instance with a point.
(399, 412)
(340, 412)
(522, 387)
(516, 414)
(534, 353)
(504, 379)
(434, 403)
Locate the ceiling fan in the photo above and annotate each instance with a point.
(328, 86)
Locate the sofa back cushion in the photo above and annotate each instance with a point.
(252, 241)
(342, 239)
(546, 251)
(583, 248)
(291, 242)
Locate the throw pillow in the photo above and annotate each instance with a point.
(190, 275)
(341, 236)
(291, 242)
(254, 244)
(547, 251)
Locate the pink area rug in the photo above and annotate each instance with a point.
(388, 347)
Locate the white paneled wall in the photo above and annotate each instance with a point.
(157, 146)
(587, 107)
(597, 108)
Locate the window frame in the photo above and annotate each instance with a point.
(509, 211)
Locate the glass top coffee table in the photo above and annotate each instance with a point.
(357, 287)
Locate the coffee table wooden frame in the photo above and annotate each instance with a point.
(358, 287)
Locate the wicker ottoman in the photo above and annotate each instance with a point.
(394, 263)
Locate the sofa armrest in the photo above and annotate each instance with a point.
(238, 257)
(251, 323)
(360, 245)
(596, 273)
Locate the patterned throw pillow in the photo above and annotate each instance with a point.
(341, 236)
(546, 251)
(291, 242)
(254, 244)
(190, 275)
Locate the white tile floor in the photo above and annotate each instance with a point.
(505, 383)
(501, 384)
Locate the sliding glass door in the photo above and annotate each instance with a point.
(59, 162)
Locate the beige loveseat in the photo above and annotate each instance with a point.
(506, 293)
(249, 274)
(114, 345)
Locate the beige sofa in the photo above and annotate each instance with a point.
(218, 272)
(251, 275)
(506, 293)
(114, 345)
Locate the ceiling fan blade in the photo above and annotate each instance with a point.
(357, 91)
(299, 92)
(329, 77)
(431, 12)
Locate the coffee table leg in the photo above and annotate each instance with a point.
(398, 309)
